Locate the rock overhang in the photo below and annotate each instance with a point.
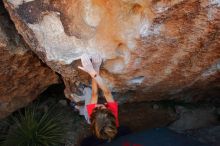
(145, 44)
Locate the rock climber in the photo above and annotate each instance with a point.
(102, 117)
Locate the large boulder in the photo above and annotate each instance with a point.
(22, 75)
(160, 48)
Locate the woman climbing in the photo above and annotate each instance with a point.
(102, 117)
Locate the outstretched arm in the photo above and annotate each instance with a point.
(88, 67)
(94, 98)
(107, 93)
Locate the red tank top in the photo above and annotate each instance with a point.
(112, 106)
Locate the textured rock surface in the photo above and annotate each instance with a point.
(194, 118)
(210, 135)
(139, 116)
(22, 75)
(162, 48)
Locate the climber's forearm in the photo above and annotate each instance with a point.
(107, 93)
(94, 98)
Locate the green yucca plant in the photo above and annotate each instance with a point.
(34, 128)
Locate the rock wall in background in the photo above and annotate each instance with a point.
(22, 75)
(161, 49)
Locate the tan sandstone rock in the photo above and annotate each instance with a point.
(160, 48)
(22, 75)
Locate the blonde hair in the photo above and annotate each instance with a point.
(103, 123)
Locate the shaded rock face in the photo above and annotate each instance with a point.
(22, 75)
(159, 48)
(139, 116)
(194, 118)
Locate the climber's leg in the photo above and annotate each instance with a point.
(87, 95)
